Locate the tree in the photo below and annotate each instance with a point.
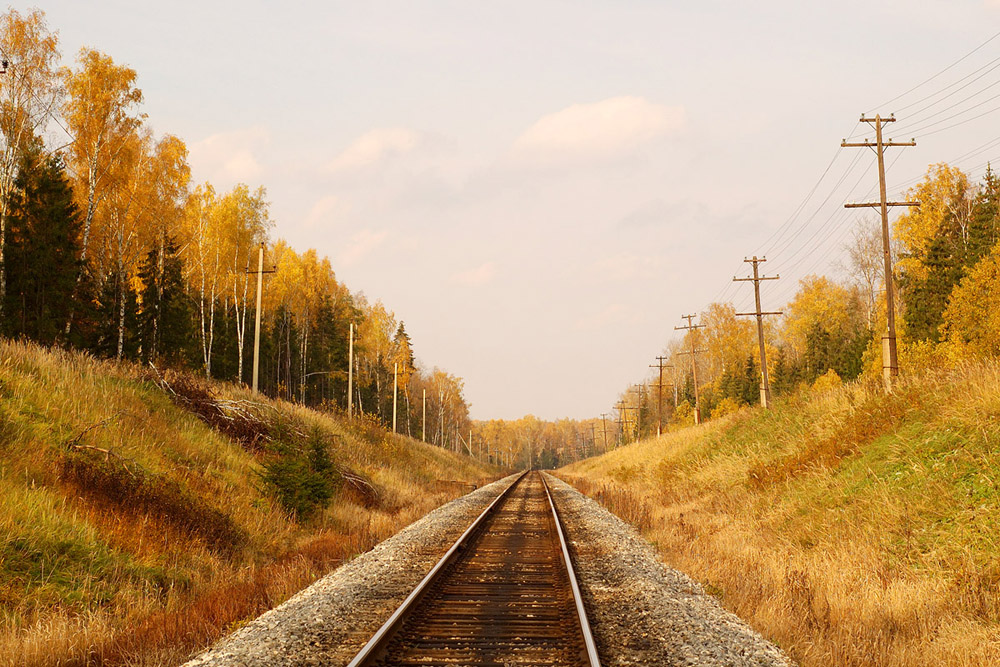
(165, 318)
(866, 263)
(43, 245)
(934, 241)
(823, 325)
(984, 228)
(29, 95)
(971, 321)
(101, 113)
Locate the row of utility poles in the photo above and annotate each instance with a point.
(890, 361)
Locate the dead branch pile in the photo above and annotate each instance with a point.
(360, 487)
(241, 420)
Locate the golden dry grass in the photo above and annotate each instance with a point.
(849, 527)
(94, 575)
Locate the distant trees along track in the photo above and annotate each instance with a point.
(504, 594)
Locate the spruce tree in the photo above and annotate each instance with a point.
(43, 245)
(984, 228)
(165, 319)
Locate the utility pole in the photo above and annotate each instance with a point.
(256, 331)
(765, 384)
(621, 420)
(350, 372)
(395, 392)
(423, 428)
(638, 412)
(659, 393)
(604, 421)
(890, 361)
(690, 328)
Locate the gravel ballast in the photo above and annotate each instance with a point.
(641, 611)
(328, 622)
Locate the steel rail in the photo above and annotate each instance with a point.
(581, 612)
(399, 615)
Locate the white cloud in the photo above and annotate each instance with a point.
(227, 158)
(362, 243)
(480, 275)
(375, 146)
(601, 130)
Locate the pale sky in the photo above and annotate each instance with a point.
(540, 189)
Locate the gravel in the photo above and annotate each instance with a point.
(641, 611)
(328, 622)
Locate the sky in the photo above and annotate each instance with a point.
(540, 190)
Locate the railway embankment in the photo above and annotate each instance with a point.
(145, 514)
(849, 526)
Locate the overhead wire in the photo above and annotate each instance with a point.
(928, 80)
(831, 230)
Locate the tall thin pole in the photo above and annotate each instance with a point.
(350, 373)
(604, 421)
(694, 366)
(395, 392)
(256, 329)
(659, 393)
(765, 384)
(423, 428)
(890, 361)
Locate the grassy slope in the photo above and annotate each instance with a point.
(849, 527)
(99, 565)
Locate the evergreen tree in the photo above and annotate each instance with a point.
(116, 293)
(43, 244)
(165, 319)
(984, 228)
(925, 300)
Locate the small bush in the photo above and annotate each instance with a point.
(303, 479)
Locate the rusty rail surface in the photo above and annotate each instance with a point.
(504, 594)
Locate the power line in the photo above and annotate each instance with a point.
(926, 81)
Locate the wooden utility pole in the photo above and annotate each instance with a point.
(690, 328)
(765, 384)
(604, 421)
(395, 392)
(423, 428)
(618, 422)
(256, 331)
(659, 393)
(350, 372)
(890, 361)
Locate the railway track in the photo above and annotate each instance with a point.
(504, 594)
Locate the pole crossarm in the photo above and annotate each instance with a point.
(875, 145)
(878, 204)
(772, 312)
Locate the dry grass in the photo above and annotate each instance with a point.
(133, 533)
(848, 527)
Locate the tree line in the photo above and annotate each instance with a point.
(946, 274)
(107, 246)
